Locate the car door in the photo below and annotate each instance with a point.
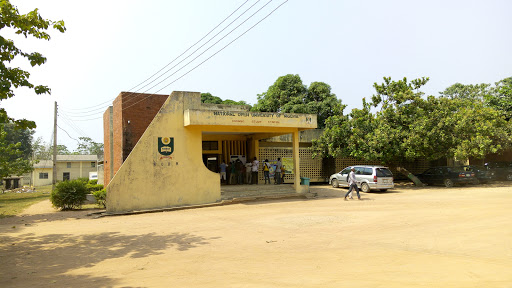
(428, 177)
(342, 179)
(359, 171)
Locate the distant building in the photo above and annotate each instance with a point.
(69, 167)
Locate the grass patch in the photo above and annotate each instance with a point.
(14, 203)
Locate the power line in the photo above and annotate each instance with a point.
(74, 126)
(102, 104)
(167, 71)
(211, 55)
(188, 63)
(68, 134)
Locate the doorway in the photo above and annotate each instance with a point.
(211, 161)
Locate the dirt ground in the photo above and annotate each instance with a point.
(407, 237)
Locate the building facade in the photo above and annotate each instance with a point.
(69, 167)
(165, 165)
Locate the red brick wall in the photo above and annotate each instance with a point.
(133, 112)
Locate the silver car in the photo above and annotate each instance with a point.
(369, 177)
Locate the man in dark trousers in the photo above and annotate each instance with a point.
(353, 183)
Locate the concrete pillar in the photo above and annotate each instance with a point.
(296, 167)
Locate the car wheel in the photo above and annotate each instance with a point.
(365, 187)
(448, 183)
(334, 183)
(509, 177)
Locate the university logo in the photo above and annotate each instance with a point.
(165, 145)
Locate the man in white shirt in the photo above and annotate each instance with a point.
(352, 181)
(254, 168)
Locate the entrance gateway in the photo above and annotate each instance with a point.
(166, 166)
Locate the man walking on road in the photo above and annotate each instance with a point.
(353, 183)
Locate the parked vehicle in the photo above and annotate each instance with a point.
(482, 174)
(502, 170)
(369, 177)
(447, 176)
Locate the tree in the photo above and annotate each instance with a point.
(289, 95)
(209, 98)
(14, 153)
(13, 77)
(500, 97)
(17, 135)
(469, 92)
(407, 127)
(88, 147)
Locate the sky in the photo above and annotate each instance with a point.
(113, 46)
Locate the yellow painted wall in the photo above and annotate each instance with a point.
(42, 182)
(148, 180)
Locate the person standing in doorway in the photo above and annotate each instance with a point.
(232, 177)
(223, 172)
(255, 167)
(266, 171)
(277, 174)
(353, 183)
(248, 173)
(239, 171)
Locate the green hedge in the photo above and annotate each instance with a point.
(93, 187)
(101, 197)
(69, 195)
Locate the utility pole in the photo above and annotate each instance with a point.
(54, 179)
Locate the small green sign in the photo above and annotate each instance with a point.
(165, 145)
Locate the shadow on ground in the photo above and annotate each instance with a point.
(30, 261)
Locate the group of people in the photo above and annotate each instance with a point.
(237, 172)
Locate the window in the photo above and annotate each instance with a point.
(367, 171)
(65, 176)
(68, 164)
(93, 164)
(210, 145)
(383, 172)
(43, 175)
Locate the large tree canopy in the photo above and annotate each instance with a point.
(289, 95)
(15, 150)
(30, 24)
(407, 126)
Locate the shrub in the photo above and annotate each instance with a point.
(93, 182)
(69, 195)
(101, 197)
(93, 187)
(83, 179)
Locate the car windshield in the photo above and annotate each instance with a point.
(383, 172)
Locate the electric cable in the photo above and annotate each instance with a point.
(184, 66)
(110, 101)
(181, 61)
(208, 57)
